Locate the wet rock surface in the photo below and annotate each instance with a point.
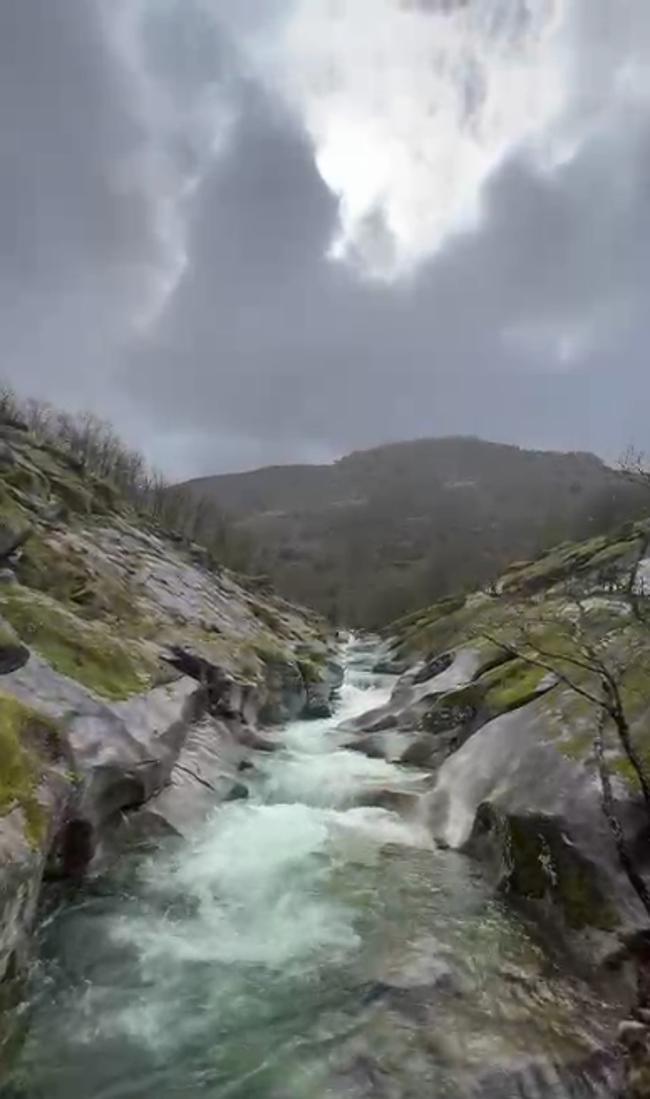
(315, 928)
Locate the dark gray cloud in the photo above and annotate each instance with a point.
(165, 232)
(72, 236)
(271, 352)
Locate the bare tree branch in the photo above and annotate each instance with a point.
(625, 858)
(540, 662)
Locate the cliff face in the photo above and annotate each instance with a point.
(133, 676)
(385, 530)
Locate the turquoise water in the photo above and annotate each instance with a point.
(303, 946)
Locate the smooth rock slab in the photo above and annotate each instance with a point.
(534, 817)
(204, 776)
(122, 753)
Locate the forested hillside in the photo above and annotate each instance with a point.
(384, 530)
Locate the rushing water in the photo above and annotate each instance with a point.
(303, 946)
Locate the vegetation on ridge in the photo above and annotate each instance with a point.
(92, 470)
(104, 572)
(382, 532)
(574, 625)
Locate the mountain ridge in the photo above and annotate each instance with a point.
(421, 517)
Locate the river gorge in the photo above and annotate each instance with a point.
(306, 943)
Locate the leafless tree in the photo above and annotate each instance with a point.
(587, 666)
(97, 451)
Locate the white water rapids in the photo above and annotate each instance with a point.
(303, 946)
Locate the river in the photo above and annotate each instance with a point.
(305, 945)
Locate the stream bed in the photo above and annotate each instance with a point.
(305, 945)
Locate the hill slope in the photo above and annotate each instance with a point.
(134, 671)
(381, 531)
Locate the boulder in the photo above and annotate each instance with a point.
(417, 690)
(204, 775)
(375, 746)
(34, 789)
(121, 753)
(374, 721)
(321, 693)
(285, 692)
(318, 703)
(433, 667)
(516, 796)
(430, 752)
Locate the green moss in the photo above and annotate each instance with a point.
(511, 685)
(612, 552)
(578, 747)
(59, 473)
(570, 559)
(27, 738)
(11, 511)
(74, 495)
(269, 617)
(105, 497)
(426, 616)
(229, 651)
(7, 637)
(58, 568)
(456, 708)
(542, 862)
(636, 680)
(310, 670)
(582, 901)
(24, 477)
(444, 625)
(85, 652)
(270, 652)
(624, 769)
(51, 568)
(529, 876)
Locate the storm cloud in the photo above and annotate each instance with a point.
(292, 229)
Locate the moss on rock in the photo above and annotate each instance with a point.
(81, 650)
(443, 625)
(57, 567)
(270, 618)
(26, 479)
(75, 496)
(538, 862)
(270, 651)
(27, 740)
(426, 616)
(311, 670)
(570, 559)
(512, 685)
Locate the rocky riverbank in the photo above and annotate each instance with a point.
(309, 940)
(140, 685)
(529, 707)
(134, 673)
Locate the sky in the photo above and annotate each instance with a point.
(281, 230)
